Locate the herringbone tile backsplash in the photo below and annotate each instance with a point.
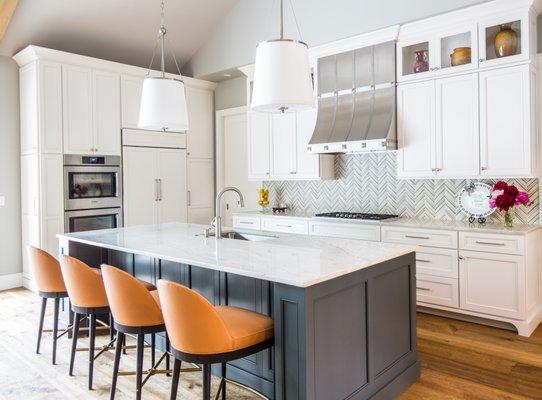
(368, 183)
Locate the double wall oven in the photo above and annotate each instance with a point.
(92, 192)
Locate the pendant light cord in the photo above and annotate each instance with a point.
(295, 20)
(281, 20)
(162, 41)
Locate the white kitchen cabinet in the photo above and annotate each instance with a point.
(154, 182)
(91, 111)
(283, 145)
(200, 195)
(106, 112)
(259, 142)
(457, 144)
(416, 129)
(172, 185)
(492, 283)
(507, 127)
(77, 110)
(200, 134)
(131, 87)
(436, 290)
(308, 165)
(41, 108)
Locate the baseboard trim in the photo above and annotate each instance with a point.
(11, 281)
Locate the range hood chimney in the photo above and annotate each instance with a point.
(356, 101)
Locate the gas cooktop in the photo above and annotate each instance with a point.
(353, 215)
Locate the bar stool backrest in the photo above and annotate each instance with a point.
(85, 286)
(46, 271)
(192, 322)
(130, 301)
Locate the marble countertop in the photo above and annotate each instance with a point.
(297, 260)
(490, 227)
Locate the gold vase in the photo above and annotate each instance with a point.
(460, 56)
(506, 41)
(263, 199)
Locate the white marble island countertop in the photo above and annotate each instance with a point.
(297, 260)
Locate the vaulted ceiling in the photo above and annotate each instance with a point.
(118, 30)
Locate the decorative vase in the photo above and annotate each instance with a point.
(263, 197)
(506, 41)
(509, 218)
(420, 61)
(460, 56)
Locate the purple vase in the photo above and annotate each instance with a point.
(420, 63)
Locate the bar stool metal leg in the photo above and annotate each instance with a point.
(92, 344)
(75, 335)
(42, 317)
(153, 348)
(55, 328)
(118, 351)
(139, 368)
(206, 381)
(175, 379)
(223, 381)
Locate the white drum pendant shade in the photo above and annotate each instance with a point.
(282, 77)
(163, 105)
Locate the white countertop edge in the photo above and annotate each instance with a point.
(460, 226)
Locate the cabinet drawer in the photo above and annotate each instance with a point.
(437, 262)
(285, 225)
(437, 290)
(423, 237)
(507, 244)
(350, 231)
(246, 222)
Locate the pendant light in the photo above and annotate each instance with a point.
(163, 99)
(282, 75)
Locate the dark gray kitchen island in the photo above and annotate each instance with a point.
(344, 310)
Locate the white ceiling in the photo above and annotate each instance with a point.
(118, 30)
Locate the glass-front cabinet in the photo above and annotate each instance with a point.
(505, 39)
(415, 58)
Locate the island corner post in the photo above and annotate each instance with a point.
(351, 337)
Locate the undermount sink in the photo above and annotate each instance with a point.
(246, 236)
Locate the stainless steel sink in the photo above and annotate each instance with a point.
(246, 236)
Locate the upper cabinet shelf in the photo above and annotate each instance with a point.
(466, 40)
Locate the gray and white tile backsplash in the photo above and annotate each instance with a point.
(368, 183)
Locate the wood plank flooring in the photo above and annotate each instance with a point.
(460, 360)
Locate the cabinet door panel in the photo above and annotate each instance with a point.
(457, 133)
(416, 129)
(139, 180)
(492, 283)
(106, 109)
(131, 87)
(307, 164)
(283, 145)
(28, 86)
(259, 133)
(505, 122)
(77, 109)
(172, 185)
(50, 103)
(200, 173)
(200, 141)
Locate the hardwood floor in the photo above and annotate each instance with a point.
(460, 360)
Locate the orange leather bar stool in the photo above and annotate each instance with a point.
(88, 299)
(48, 277)
(206, 334)
(135, 310)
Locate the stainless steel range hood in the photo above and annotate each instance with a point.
(356, 101)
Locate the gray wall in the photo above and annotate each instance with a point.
(10, 187)
(234, 39)
(231, 93)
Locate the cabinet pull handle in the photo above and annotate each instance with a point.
(417, 237)
(423, 288)
(484, 168)
(284, 226)
(482, 59)
(422, 260)
(490, 243)
(246, 222)
(189, 199)
(156, 190)
(159, 189)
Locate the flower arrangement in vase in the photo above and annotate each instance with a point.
(505, 197)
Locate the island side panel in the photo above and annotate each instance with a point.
(351, 337)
